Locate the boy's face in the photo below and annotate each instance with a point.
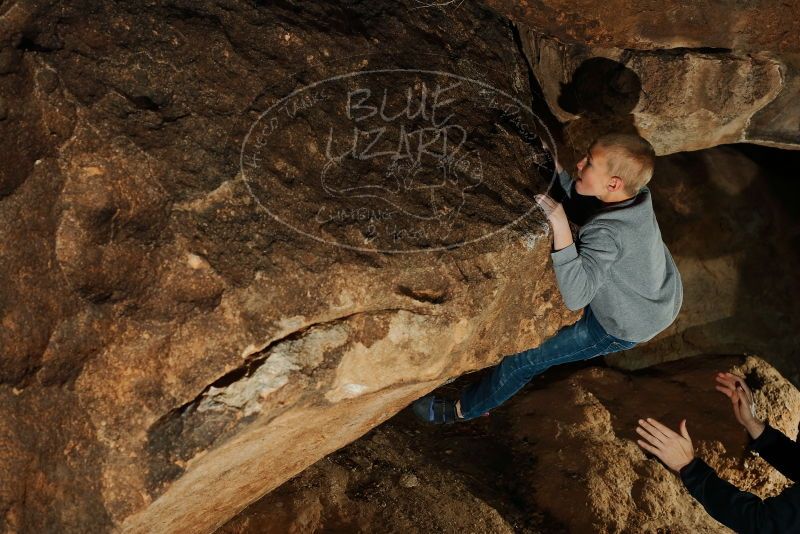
(593, 178)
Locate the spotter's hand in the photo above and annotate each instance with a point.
(735, 388)
(674, 449)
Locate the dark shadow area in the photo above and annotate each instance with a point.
(603, 93)
(780, 168)
(730, 218)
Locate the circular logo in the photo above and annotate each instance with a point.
(397, 160)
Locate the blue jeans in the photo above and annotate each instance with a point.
(580, 341)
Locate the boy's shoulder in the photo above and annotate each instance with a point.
(635, 207)
(629, 216)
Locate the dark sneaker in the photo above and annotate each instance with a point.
(435, 410)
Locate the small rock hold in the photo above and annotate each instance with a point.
(48, 80)
(409, 481)
(9, 60)
(363, 462)
(3, 108)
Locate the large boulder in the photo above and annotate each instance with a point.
(688, 76)
(201, 295)
(561, 456)
(236, 237)
(678, 100)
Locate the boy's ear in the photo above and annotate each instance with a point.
(615, 184)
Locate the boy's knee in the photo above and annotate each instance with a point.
(518, 368)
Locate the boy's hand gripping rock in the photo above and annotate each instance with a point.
(553, 210)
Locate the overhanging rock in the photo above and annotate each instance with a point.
(187, 323)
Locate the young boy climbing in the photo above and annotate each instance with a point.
(619, 272)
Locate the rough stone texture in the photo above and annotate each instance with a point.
(678, 100)
(733, 65)
(588, 450)
(561, 456)
(644, 24)
(170, 352)
(165, 341)
(730, 218)
(591, 455)
(778, 123)
(361, 489)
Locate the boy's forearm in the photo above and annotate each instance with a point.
(562, 236)
(582, 269)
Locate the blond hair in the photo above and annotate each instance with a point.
(630, 156)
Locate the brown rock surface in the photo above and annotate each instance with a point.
(647, 25)
(710, 73)
(587, 451)
(561, 456)
(172, 347)
(170, 350)
(679, 100)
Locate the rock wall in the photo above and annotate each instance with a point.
(685, 76)
(173, 347)
(679, 100)
(208, 284)
(758, 25)
(560, 456)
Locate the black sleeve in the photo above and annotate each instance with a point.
(739, 510)
(782, 453)
(563, 192)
